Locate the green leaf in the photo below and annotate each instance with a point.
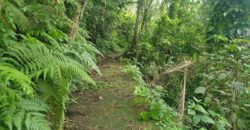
(207, 119)
(191, 112)
(233, 47)
(196, 119)
(200, 90)
(207, 99)
(220, 125)
(201, 109)
(155, 114)
(144, 116)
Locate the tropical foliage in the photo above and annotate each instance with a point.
(189, 58)
(39, 63)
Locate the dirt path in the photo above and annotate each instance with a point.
(109, 108)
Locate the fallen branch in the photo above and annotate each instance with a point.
(179, 67)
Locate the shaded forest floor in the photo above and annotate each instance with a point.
(108, 108)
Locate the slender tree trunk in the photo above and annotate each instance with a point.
(77, 20)
(135, 40)
(145, 14)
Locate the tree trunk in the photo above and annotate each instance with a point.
(77, 20)
(145, 14)
(131, 51)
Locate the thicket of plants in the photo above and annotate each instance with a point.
(39, 63)
(204, 47)
(47, 47)
(217, 92)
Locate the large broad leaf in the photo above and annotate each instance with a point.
(200, 90)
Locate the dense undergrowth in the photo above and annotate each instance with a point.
(39, 63)
(216, 83)
(216, 95)
(48, 48)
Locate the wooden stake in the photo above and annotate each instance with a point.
(181, 106)
(185, 65)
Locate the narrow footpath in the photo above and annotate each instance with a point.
(111, 107)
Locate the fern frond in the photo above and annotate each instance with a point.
(84, 53)
(15, 110)
(56, 97)
(14, 12)
(8, 95)
(9, 74)
(35, 117)
(19, 116)
(58, 34)
(91, 48)
(37, 61)
(23, 114)
(45, 37)
(33, 59)
(36, 121)
(83, 57)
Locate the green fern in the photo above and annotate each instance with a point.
(84, 54)
(9, 74)
(32, 116)
(37, 63)
(14, 110)
(35, 59)
(12, 10)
